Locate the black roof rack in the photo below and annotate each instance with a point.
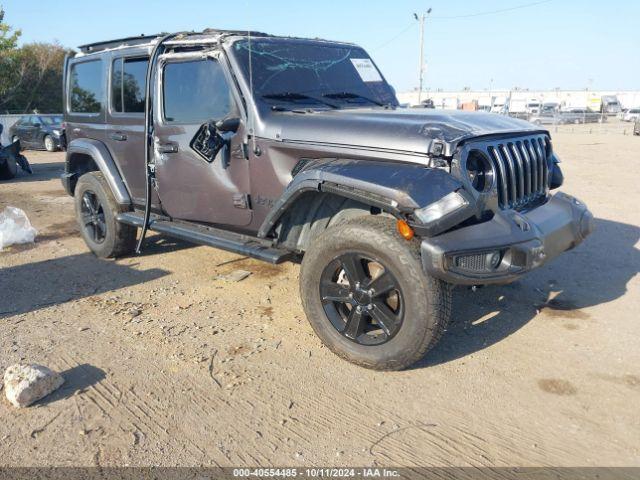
(142, 39)
(97, 46)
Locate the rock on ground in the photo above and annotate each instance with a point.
(235, 276)
(25, 384)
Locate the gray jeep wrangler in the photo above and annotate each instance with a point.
(296, 149)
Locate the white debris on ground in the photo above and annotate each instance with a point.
(235, 276)
(15, 227)
(26, 384)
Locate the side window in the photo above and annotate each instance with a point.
(128, 84)
(86, 87)
(196, 92)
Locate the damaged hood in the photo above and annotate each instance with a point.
(407, 130)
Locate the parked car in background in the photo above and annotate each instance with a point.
(636, 127)
(545, 118)
(38, 132)
(632, 115)
(580, 115)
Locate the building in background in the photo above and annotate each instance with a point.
(527, 101)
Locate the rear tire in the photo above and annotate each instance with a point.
(96, 211)
(394, 329)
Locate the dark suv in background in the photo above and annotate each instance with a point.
(39, 132)
(296, 149)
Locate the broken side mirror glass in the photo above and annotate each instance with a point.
(210, 139)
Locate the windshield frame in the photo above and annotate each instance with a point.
(268, 104)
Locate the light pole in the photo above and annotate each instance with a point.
(421, 18)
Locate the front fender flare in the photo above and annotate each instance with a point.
(398, 188)
(103, 160)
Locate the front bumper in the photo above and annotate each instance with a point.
(509, 245)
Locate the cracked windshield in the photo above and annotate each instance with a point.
(292, 74)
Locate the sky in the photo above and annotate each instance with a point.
(567, 44)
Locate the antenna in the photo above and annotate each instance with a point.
(252, 123)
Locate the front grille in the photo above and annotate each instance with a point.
(521, 170)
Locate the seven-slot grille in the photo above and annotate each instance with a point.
(521, 170)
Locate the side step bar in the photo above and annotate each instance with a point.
(213, 237)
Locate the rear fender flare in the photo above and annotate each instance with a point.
(103, 161)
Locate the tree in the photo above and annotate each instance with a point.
(10, 71)
(41, 86)
(31, 75)
(8, 40)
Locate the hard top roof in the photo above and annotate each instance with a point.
(195, 37)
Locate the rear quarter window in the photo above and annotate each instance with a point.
(86, 91)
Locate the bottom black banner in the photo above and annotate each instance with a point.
(207, 473)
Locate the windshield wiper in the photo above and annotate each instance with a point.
(293, 96)
(348, 95)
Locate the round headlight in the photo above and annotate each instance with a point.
(479, 171)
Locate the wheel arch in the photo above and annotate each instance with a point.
(315, 211)
(87, 155)
(324, 192)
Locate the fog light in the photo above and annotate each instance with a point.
(493, 260)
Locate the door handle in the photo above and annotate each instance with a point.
(167, 147)
(119, 137)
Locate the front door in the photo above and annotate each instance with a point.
(191, 91)
(27, 130)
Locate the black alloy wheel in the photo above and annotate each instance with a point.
(93, 218)
(362, 299)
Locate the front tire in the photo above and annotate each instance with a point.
(49, 144)
(367, 298)
(96, 211)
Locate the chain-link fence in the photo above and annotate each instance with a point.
(7, 122)
(611, 125)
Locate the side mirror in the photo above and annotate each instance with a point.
(228, 125)
(37, 125)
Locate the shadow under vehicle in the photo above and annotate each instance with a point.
(290, 149)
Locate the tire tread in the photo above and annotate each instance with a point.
(439, 293)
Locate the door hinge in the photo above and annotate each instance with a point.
(241, 200)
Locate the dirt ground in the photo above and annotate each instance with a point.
(166, 364)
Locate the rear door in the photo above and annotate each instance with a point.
(192, 90)
(19, 128)
(125, 119)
